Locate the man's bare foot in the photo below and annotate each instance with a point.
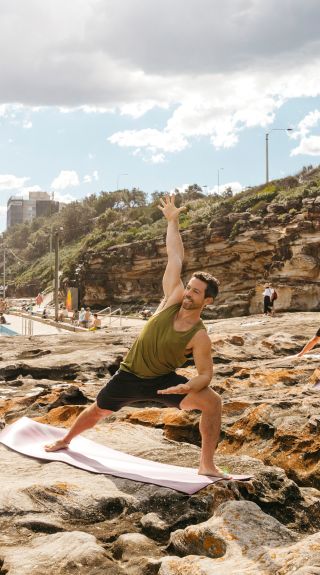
(214, 472)
(57, 445)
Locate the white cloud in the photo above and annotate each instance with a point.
(305, 125)
(3, 210)
(64, 198)
(180, 189)
(27, 124)
(11, 182)
(3, 110)
(66, 179)
(88, 178)
(309, 146)
(157, 158)
(221, 75)
(151, 139)
(138, 109)
(86, 109)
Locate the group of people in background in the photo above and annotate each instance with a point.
(82, 318)
(85, 319)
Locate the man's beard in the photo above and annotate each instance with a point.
(189, 304)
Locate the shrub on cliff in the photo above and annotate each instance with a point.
(260, 207)
(251, 198)
(119, 217)
(77, 220)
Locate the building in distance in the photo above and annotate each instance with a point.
(20, 210)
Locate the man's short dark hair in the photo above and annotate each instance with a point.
(212, 288)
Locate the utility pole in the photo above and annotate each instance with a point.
(267, 147)
(50, 260)
(219, 169)
(267, 157)
(56, 275)
(4, 273)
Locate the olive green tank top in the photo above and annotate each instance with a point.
(159, 349)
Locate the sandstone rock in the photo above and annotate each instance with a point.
(154, 526)
(73, 552)
(129, 545)
(240, 536)
(270, 430)
(242, 264)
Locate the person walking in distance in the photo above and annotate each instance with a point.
(267, 294)
(148, 371)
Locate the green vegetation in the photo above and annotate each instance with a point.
(125, 216)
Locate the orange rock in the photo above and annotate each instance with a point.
(63, 416)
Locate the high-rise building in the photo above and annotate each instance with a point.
(14, 211)
(20, 210)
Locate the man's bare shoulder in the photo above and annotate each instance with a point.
(202, 335)
(201, 339)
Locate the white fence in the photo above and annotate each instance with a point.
(27, 326)
(114, 315)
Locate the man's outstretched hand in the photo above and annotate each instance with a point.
(168, 208)
(181, 388)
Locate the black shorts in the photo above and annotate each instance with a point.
(318, 333)
(125, 388)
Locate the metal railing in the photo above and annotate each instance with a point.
(27, 326)
(114, 314)
(105, 310)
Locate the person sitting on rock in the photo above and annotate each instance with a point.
(75, 317)
(87, 317)
(310, 344)
(146, 313)
(96, 324)
(82, 316)
(147, 373)
(63, 314)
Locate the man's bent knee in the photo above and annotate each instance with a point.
(97, 411)
(205, 400)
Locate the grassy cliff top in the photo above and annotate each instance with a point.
(102, 221)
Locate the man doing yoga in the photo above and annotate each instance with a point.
(170, 335)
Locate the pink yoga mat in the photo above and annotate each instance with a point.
(29, 437)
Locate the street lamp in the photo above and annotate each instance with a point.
(56, 273)
(78, 275)
(4, 273)
(118, 178)
(267, 147)
(219, 170)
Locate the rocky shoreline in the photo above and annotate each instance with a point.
(59, 520)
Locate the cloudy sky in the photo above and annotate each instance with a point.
(98, 94)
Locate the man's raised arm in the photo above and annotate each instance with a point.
(171, 282)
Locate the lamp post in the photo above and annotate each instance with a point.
(219, 170)
(78, 275)
(118, 178)
(4, 273)
(56, 273)
(267, 147)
